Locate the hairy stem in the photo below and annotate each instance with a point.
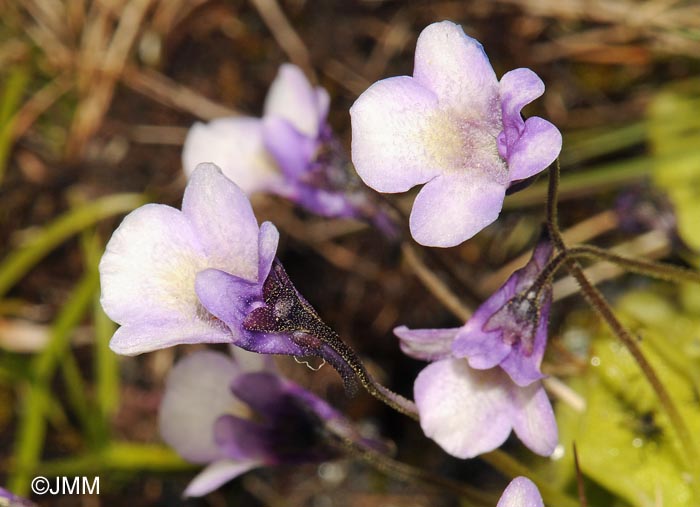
(408, 473)
(596, 300)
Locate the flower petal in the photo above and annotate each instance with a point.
(485, 349)
(426, 344)
(133, 339)
(267, 249)
(455, 67)
(466, 205)
(230, 299)
(227, 297)
(224, 221)
(467, 412)
(292, 150)
(521, 492)
(391, 124)
(291, 97)
(217, 474)
(148, 269)
(196, 394)
(236, 146)
(538, 146)
(533, 419)
(517, 89)
(243, 439)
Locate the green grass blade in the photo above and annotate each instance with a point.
(35, 403)
(22, 259)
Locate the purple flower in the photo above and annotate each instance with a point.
(8, 499)
(454, 127)
(150, 265)
(510, 328)
(236, 414)
(469, 412)
(290, 151)
(521, 492)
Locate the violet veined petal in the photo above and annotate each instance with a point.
(224, 221)
(235, 145)
(292, 98)
(393, 143)
(216, 475)
(426, 344)
(536, 148)
(292, 150)
(467, 412)
(521, 492)
(148, 269)
(227, 297)
(196, 394)
(467, 204)
(455, 67)
(533, 419)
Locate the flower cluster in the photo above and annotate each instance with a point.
(291, 151)
(455, 128)
(208, 273)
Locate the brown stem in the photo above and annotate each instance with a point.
(596, 300)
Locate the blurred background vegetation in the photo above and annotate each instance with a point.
(95, 100)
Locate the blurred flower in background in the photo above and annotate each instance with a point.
(237, 413)
(291, 152)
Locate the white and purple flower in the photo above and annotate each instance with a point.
(290, 151)
(510, 328)
(455, 128)
(237, 413)
(206, 274)
(151, 264)
(468, 411)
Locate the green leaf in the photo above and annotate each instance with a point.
(624, 439)
(674, 136)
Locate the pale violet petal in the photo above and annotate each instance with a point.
(217, 474)
(533, 420)
(235, 145)
(397, 135)
(267, 248)
(323, 103)
(292, 150)
(141, 337)
(451, 209)
(517, 89)
(292, 98)
(224, 221)
(521, 492)
(455, 67)
(426, 344)
(148, 269)
(536, 148)
(197, 393)
(467, 412)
